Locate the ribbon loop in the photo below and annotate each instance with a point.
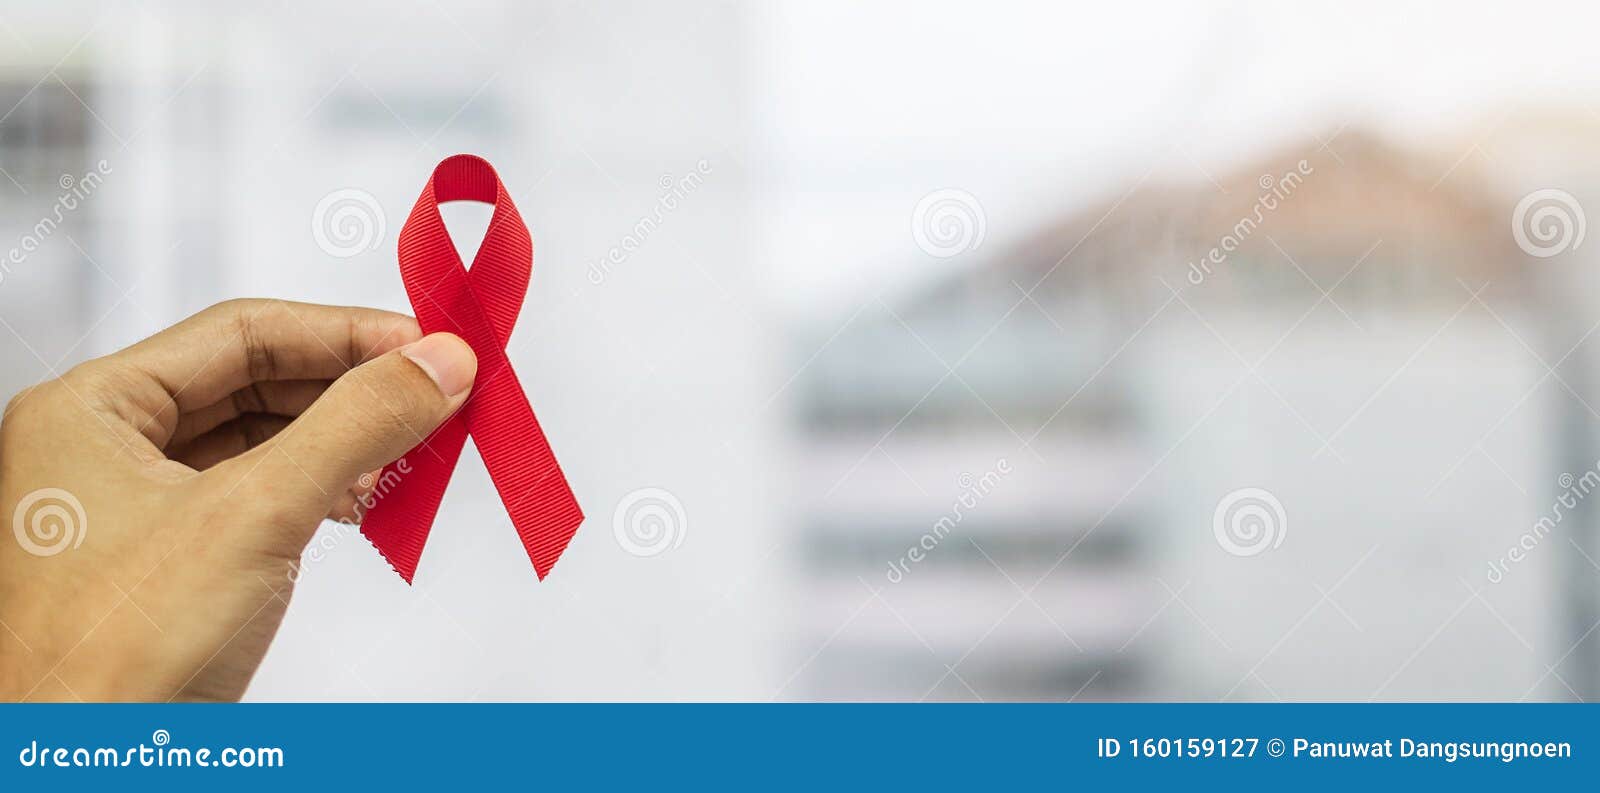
(481, 306)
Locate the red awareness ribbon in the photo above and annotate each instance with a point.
(480, 305)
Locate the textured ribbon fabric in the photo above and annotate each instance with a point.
(480, 305)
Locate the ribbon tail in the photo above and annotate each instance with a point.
(401, 515)
(543, 509)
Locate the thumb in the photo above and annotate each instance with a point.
(369, 417)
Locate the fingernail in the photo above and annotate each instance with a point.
(446, 359)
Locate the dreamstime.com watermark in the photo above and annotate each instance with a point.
(1275, 190)
(373, 490)
(1548, 222)
(48, 521)
(1249, 521)
(674, 191)
(973, 490)
(348, 222)
(74, 191)
(1573, 490)
(159, 753)
(948, 222)
(649, 521)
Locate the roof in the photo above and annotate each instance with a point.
(1418, 223)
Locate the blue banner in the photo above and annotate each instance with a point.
(794, 746)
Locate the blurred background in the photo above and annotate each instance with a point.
(933, 351)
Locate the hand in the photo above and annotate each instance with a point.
(194, 467)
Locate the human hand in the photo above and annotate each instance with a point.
(202, 460)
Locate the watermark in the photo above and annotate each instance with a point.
(1573, 490)
(159, 753)
(1548, 222)
(973, 490)
(649, 521)
(348, 223)
(373, 490)
(1249, 521)
(1274, 191)
(674, 191)
(74, 191)
(948, 222)
(48, 521)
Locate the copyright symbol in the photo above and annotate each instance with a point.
(1275, 747)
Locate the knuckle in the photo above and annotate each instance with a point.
(378, 432)
(253, 433)
(224, 316)
(390, 388)
(24, 406)
(95, 377)
(249, 399)
(47, 403)
(243, 318)
(260, 361)
(230, 309)
(403, 387)
(36, 413)
(352, 351)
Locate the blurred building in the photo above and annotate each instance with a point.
(1537, 151)
(1367, 320)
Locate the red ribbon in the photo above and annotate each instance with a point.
(480, 305)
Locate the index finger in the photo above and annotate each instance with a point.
(230, 345)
